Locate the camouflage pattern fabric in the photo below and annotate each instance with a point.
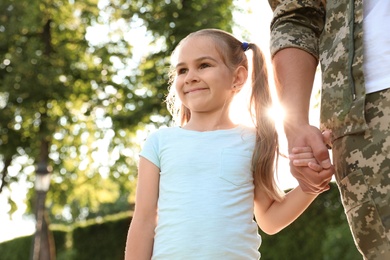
(332, 31)
(334, 35)
(362, 163)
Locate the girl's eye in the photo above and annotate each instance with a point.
(204, 65)
(181, 71)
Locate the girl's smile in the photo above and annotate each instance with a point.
(194, 90)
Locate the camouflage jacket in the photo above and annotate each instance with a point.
(334, 35)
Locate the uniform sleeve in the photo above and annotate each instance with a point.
(150, 150)
(297, 24)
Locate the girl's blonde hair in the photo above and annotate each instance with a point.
(232, 52)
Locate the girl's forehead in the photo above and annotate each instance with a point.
(198, 43)
(196, 46)
(200, 39)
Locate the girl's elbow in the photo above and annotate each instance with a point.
(270, 230)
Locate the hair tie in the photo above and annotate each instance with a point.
(245, 46)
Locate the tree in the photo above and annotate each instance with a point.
(69, 103)
(49, 79)
(52, 81)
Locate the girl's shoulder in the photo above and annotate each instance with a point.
(248, 131)
(163, 132)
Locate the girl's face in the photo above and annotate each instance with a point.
(203, 82)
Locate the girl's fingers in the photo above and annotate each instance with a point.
(304, 157)
(315, 166)
(312, 164)
(304, 161)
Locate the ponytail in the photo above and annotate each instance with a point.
(266, 152)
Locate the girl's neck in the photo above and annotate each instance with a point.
(210, 120)
(209, 125)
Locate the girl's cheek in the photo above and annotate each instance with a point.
(178, 83)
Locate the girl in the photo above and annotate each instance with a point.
(199, 184)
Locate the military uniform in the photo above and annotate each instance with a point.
(359, 122)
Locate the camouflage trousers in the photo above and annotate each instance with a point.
(362, 163)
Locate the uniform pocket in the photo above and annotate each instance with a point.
(363, 218)
(354, 190)
(236, 166)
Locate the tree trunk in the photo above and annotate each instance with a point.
(43, 244)
(43, 247)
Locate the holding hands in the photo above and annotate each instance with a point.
(311, 165)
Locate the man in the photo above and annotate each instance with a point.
(355, 103)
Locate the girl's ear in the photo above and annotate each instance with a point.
(240, 77)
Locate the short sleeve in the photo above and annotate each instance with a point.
(150, 150)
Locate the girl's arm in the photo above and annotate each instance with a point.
(140, 238)
(272, 216)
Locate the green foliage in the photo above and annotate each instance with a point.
(54, 88)
(321, 232)
(20, 248)
(61, 238)
(108, 238)
(312, 235)
(338, 244)
(16, 249)
(104, 238)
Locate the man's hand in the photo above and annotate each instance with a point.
(309, 158)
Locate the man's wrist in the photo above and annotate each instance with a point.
(294, 123)
(310, 189)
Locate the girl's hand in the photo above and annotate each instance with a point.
(303, 157)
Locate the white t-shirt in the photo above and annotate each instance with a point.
(376, 39)
(206, 193)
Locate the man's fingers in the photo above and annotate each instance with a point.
(326, 164)
(302, 155)
(305, 149)
(327, 136)
(321, 154)
(313, 182)
(326, 173)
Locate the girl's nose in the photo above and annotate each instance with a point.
(192, 76)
